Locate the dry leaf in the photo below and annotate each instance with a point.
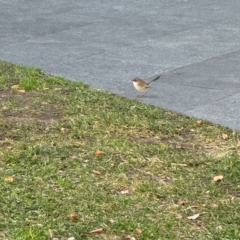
(218, 178)
(15, 86)
(97, 231)
(199, 205)
(179, 164)
(63, 130)
(57, 89)
(50, 233)
(8, 179)
(71, 238)
(193, 217)
(96, 172)
(98, 153)
(73, 156)
(224, 136)
(80, 143)
(181, 202)
(137, 206)
(22, 91)
(124, 191)
(214, 205)
(179, 147)
(178, 216)
(128, 237)
(199, 122)
(138, 230)
(219, 228)
(111, 220)
(74, 216)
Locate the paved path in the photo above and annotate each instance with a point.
(194, 44)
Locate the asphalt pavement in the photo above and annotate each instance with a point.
(194, 44)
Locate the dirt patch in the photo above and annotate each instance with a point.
(183, 141)
(22, 107)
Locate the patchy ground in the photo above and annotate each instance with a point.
(74, 159)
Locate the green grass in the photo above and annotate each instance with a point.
(153, 159)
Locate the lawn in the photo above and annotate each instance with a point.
(81, 163)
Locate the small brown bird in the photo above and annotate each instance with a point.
(141, 85)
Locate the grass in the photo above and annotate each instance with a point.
(74, 159)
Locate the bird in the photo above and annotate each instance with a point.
(141, 85)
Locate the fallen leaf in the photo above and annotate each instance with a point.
(71, 238)
(15, 86)
(219, 228)
(179, 164)
(73, 156)
(97, 231)
(138, 230)
(74, 216)
(80, 143)
(111, 220)
(63, 130)
(22, 91)
(218, 178)
(181, 202)
(199, 205)
(128, 237)
(193, 217)
(8, 179)
(57, 89)
(214, 205)
(179, 147)
(178, 216)
(137, 206)
(224, 136)
(96, 172)
(199, 122)
(50, 233)
(98, 153)
(124, 191)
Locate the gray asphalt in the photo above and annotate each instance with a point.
(194, 44)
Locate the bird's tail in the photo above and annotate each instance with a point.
(156, 78)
